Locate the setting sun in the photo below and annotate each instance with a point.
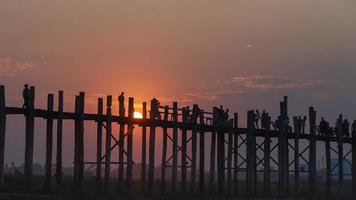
(138, 115)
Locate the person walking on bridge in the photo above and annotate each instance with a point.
(324, 127)
(26, 97)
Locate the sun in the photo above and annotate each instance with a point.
(138, 115)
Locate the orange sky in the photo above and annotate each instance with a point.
(243, 54)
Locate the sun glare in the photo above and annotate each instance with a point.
(138, 115)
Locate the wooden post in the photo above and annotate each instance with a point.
(184, 150)
(129, 145)
(49, 144)
(194, 153)
(328, 163)
(297, 131)
(30, 122)
(152, 138)
(59, 139)
(236, 146)
(81, 140)
(267, 159)
(2, 133)
(229, 160)
(212, 155)
(221, 159)
(283, 151)
(144, 148)
(108, 143)
(251, 155)
(312, 151)
(99, 143)
(76, 143)
(175, 147)
(353, 167)
(201, 153)
(164, 152)
(340, 132)
(121, 145)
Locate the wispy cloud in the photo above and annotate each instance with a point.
(272, 82)
(212, 95)
(10, 66)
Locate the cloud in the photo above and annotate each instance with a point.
(212, 95)
(272, 82)
(10, 66)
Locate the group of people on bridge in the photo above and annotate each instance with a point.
(341, 125)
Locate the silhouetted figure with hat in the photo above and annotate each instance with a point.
(26, 97)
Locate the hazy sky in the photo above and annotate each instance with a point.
(240, 53)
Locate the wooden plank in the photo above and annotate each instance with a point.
(201, 154)
(194, 152)
(99, 144)
(212, 156)
(2, 134)
(108, 143)
(30, 122)
(297, 131)
(151, 161)
(312, 151)
(267, 159)
(144, 148)
(49, 145)
(184, 151)
(164, 153)
(121, 144)
(130, 146)
(175, 148)
(236, 144)
(59, 139)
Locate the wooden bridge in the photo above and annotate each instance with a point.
(232, 150)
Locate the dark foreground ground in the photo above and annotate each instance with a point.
(14, 190)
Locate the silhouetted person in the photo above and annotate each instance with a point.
(346, 128)
(302, 124)
(264, 119)
(324, 127)
(257, 118)
(122, 102)
(186, 113)
(353, 128)
(285, 124)
(195, 113)
(226, 117)
(26, 97)
(155, 111)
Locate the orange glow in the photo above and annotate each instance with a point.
(138, 115)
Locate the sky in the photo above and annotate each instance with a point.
(243, 54)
